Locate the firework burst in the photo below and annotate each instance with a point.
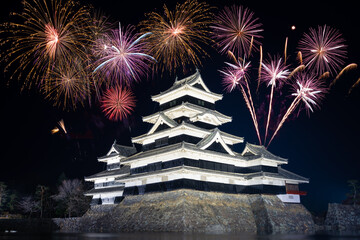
(118, 103)
(121, 56)
(306, 89)
(177, 35)
(236, 76)
(237, 30)
(46, 31)
(323, 49)
(67, 85)
(274, 70)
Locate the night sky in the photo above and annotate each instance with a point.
(322, 147)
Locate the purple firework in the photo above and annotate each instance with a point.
(275, 70)
(307, 89)
(237, 30)
(323, 49)
(234, 75)
(121, 55)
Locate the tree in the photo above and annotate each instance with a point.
(42, 195)
(71, 194)
(29, 205)
(3, 195)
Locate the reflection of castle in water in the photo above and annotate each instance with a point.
(185, 149)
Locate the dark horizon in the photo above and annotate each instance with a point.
(322, 147)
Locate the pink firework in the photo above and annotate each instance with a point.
(274, 71)
(234, 75)
(230, 80)
(117, 103)
(237, 30)
(121, 55)
(323, 49)
(307, 89)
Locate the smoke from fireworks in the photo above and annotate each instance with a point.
(46, 31)
(323, 49)
(122, 56)
(237, 30)
(118, 103)
(177, 35)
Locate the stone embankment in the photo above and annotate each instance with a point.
(195, 211)
(343, 218)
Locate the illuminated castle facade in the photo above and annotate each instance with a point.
(186, 149)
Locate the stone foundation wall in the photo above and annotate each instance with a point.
(343, 218)
(196, 211)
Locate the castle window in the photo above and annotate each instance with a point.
(200, 102)
(172, 103)
(161, 141)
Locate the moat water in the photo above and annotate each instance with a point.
(170, 236)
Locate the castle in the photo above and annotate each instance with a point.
(185, 149)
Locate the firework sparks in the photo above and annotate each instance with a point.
(323, 49)
(47, 32)
(357, 83)
(274, 70)
(67, 85)
(118, 103)
(176, 36)
(61, 125)
(307, 89)
(122, 56)
(236, 29)
(235, 75)
(345, 69)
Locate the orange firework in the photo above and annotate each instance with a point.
(45, 32)
(67, 85)
(177, 35)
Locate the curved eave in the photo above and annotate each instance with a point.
(192, 111)
(184, 90)
(274, 176)
(190, 150)
(191, 130)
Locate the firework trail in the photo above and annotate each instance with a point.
(67, 84)
(324, 76)
(307, 89)
(61, 125)
(354, 85)
(235, 76)
(274, 70)
(46, 31)
(297, 69)
(118, 103)
(177, 35)
(323, 49)
(344, 70)
(121, 56)
(251, 45)
(236, 29)
(259, 71)
(285, 50)
(299, 57)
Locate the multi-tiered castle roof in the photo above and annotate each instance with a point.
(186, 149)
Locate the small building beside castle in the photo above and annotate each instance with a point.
(185, 149)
